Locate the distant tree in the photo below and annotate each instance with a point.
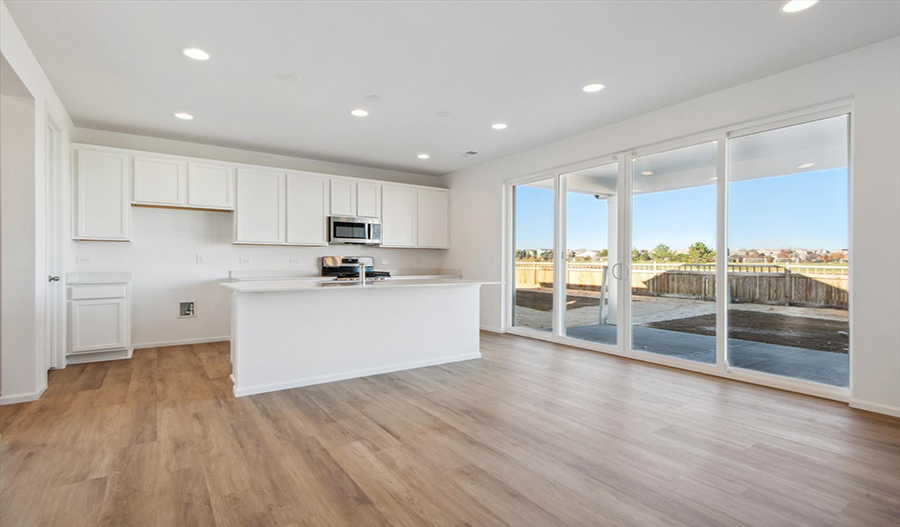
(603, 253)
(700, 253)
(645, 257)
(547, 255)
(662, 253)
(635, 255)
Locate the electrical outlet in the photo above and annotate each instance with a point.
(83, 259)
(200, 259)
(384, 262)
(244, 260)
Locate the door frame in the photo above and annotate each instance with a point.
(835, 108)
(54, 293)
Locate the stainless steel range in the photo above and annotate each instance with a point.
(352, 269)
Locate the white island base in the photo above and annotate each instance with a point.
(290, 334)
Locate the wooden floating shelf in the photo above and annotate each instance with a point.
(175, 207)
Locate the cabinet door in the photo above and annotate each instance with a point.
(159, 181)
(98, 325)
(259, 211)
(210, 186)
(433, 226)
(398, 216)
(368, 199)
(102, 196)
(343, 198)
(307, 210)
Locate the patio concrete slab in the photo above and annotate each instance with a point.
(799, 363)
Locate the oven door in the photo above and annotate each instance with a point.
(354, 231)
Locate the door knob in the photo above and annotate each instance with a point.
(53, 279)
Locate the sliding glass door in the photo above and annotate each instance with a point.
(591, 293)
(673, 271)
(788, 238)
(534, 212)
(728, 254)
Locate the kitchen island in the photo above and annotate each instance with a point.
(289, 333)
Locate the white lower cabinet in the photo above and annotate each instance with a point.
(259, 211)
(398, 216)
(433, 226)
(99, 319)
(307, 210)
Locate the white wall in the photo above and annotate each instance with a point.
(163, 253)
(17, 238)
(18, 384)
(870, 76)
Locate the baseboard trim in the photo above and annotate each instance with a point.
(492, 329)
(22, 397)
(878, 408)
(182, 342)
(274, 387)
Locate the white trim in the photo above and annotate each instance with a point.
(181, 342)
(492, 329)
(893, 411)
(98, 356)
(23, 397)
(351, 374)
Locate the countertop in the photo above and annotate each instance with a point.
(308, 285)
(95, 277)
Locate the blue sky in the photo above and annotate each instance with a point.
(806, 210)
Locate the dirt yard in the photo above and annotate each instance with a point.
(822, 329)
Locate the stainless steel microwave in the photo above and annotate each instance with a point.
(344, 230)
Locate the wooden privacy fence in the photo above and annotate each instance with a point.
(787, 284)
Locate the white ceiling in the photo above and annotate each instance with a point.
(117, 66)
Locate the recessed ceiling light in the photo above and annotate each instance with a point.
(423, 156)
(714, 178)
(806, 165)
(359, 112)
(443, 115)
(498, 126)
(637, 191)
(647, 173)
(593, 87)
(185, 116)
(195, 53)
(798, 5)
(290, 77)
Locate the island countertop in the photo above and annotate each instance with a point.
(269, 286)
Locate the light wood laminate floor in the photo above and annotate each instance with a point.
(533, 434)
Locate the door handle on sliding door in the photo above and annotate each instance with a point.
(616, 276)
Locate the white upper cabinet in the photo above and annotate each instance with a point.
(343, 198)
(368, 199)
(307, 209)
(210, 186)
(271, 206)
(259, 211)
(102, 196)
(433, 228)
(398, 216)
(159, 181)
